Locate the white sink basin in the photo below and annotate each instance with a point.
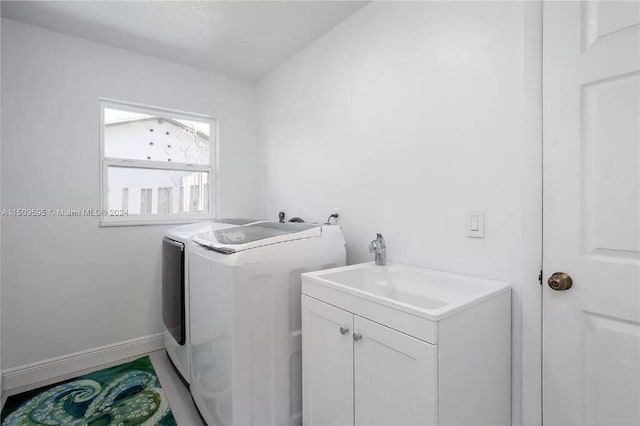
(424, 292)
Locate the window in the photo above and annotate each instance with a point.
(157, 165)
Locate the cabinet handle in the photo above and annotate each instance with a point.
(357, 336)
(344, 330)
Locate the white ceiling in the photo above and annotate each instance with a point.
(241, 38)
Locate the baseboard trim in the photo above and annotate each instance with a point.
(28, 374)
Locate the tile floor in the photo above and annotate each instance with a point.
(184, 410)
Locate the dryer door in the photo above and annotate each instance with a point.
(173, 297)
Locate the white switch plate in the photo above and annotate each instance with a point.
(475, 223)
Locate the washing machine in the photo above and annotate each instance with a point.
(175, 288)
(246, 357)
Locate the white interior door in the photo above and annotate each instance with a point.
(395, 377)
(327, 365)
(591, 332)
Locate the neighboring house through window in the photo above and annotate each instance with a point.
(150, 155)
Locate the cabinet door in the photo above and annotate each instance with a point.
(395, 377)
(327, 364)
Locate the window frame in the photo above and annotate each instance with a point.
(106, 162)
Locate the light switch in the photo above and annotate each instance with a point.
(475, 224)
(475, 220)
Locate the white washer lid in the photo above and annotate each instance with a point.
(240, 238)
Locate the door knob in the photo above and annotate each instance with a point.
(560, 281)
(344, 330)
(357, 336)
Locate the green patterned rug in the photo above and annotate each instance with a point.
(127, 395)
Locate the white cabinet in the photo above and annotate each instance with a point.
(397, 365)
(327, 370)
(358, 371)
(395, 377)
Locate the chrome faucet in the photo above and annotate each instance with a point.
(379, 247)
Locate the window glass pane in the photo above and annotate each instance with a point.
(137, 136)
(150, 191)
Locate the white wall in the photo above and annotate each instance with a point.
(405, 116)
(69, 285)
